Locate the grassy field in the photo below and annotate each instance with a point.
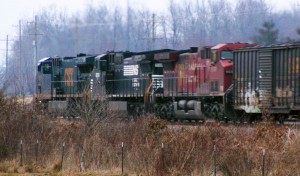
(92, 145)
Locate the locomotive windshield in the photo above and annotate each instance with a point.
(226, 55)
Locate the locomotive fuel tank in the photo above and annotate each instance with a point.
(188, 110)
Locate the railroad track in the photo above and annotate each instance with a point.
(211, 122)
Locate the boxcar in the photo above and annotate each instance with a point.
(266, 80)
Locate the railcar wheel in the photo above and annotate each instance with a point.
(226, 119)
(250, 118)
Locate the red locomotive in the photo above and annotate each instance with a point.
(197, 81)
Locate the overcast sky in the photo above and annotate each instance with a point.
(13, 10)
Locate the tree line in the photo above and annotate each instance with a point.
(99, 28)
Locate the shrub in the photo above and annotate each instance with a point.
(188, 150)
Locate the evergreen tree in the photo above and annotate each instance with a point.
(267, 34)
(291, 40)
(298, 31)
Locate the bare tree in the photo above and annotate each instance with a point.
(99, 29)
(176, 19)
(92, 113)
(249, 15)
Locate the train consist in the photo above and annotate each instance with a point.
(232, 81)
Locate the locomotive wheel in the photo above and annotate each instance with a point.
(281, 119)
(163, 112)
(244, 119)
(214, 115)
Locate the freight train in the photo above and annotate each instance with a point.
(231, 81)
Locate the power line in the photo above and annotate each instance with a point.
(153, 37)
(20, 44)
(6, 49)
(4, 40)
(6, 60)
(36, 34)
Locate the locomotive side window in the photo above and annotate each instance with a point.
(111, 58)
(158, 69)
(118, 59)
(214, 86)
(56, 62)
(46, 68)
(205, 53)
(202, 53)
(85, 68)
(226, 55)
(214, 56)
(102, 65)
(145, 68)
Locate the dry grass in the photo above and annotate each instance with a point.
(187, 151)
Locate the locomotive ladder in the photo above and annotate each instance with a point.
(227, 92)
(147, 101)
(226, 99)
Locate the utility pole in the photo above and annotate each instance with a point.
(152, 38)
(153, 31)
(6, 58)
(35, 42)
(20, 45)
(20, 77)
(35, 39)
(127, 32)
(76, 36)
(35, 45)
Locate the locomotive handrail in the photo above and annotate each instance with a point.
(69, 81)
(129, 79)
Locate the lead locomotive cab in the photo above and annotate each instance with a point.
(44, 75)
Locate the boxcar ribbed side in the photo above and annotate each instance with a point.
(246, 80)
(285, 87)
